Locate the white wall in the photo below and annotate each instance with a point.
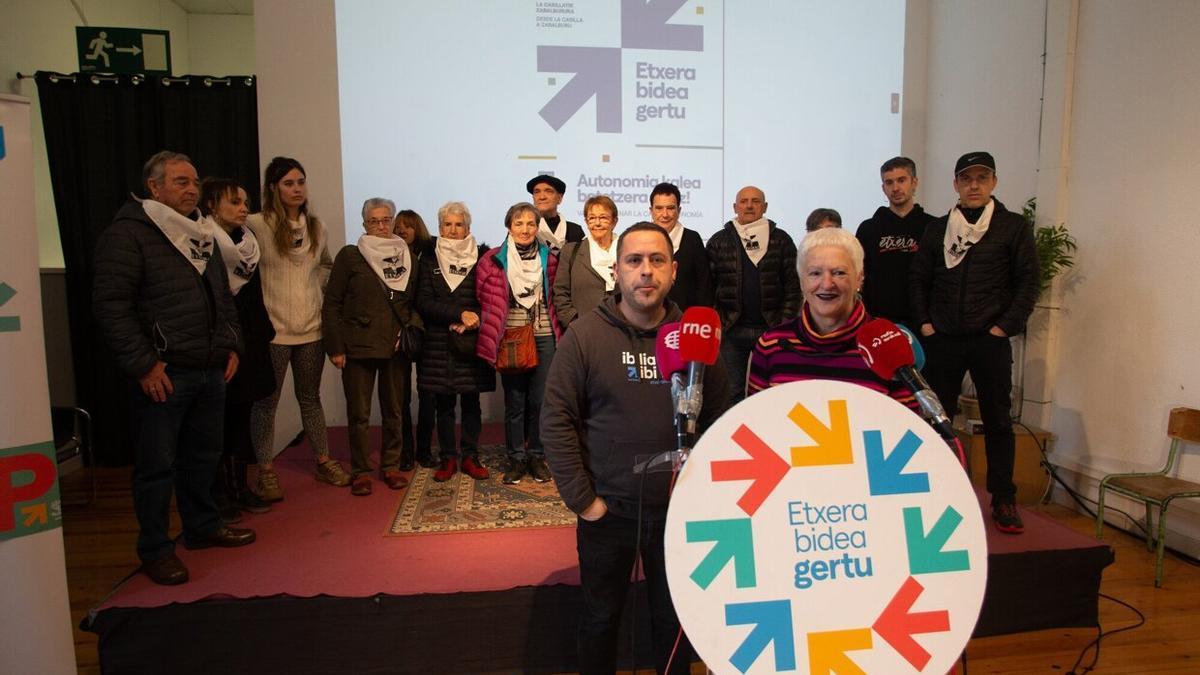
(221, 44)
(41, 36)
(1132, 312)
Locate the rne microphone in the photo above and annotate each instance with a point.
(672, 367)
(699, 346)
(886, 349)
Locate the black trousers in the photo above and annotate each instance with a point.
(989, 360)
(606, 552)
(472, 424)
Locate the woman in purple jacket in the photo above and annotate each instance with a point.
(513, 283)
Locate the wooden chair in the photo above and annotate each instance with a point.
(1157, 488)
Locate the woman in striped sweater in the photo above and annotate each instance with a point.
(822, 342)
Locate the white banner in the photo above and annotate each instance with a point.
(33, 582)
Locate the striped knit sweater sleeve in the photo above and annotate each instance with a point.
(793, 351)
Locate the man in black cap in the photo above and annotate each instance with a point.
(889, 240)
(973, 284)
(554, 231)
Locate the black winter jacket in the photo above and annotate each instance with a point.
(150, 303)
(777, 271)
(255, 376)
(996, 284)
(441, 369)
(361, 317)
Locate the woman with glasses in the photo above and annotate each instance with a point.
(585, 274)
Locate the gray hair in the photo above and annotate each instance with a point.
(155, 168)
(457, 208)
(377, 202)
(831, 236)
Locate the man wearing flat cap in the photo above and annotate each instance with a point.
(553, 230)
(973, 284)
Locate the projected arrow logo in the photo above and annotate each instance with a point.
(772, 621)
(644, 25)
(597, 74)
(896, 625)
(925, 554)
(827, 651)
(765, 468)
(8, 324)
(832, 442)
(735, 543)
(886, 475)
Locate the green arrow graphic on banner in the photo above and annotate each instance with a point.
(926, 554)
(735, 543)
(8, 324)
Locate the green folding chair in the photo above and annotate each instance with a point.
(1157, 488)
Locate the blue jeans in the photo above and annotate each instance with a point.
(177, 446)
(523, 404)
(736, 345)
(606, 552)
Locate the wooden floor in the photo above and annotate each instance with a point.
(100, 552)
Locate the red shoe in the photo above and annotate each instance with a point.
(446, 471)
(472, 467)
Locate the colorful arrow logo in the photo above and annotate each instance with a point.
(735, 542)
(896, 625)
(832, 442)
(827, 651)
(925, 554)
(8, 324)
(765, 468)
(886, 475)
(772, 621)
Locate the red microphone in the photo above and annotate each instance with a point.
(700, 335)
(889, 355)
(666, 351)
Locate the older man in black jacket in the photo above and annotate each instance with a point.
(973, 284)
(162, 303)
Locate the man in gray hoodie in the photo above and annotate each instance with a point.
(606, 409)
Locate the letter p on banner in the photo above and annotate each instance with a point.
(29, 499)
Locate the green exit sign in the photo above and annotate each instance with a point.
(123, 50)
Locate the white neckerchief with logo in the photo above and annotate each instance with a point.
(603, 261)
(755, 237)
(388, 257)
(192, 238)
(524, 276)
(553, 239)
(455, 258)
(298, 236)
(241, 259)
(676, 235)
(961, 236)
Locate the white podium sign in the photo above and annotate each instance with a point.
(822, 527)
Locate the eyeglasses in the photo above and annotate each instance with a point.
(599, 219)
(379, 221)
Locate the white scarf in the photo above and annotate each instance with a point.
(676, 235)
(554, 239)
(961, 236)
(455, 258)
(299, 237)
(603, 261)
(241, 259)
(755, 238)
(524, 276)
(192, 238)
(389, 257)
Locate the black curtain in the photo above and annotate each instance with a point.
(100, 130)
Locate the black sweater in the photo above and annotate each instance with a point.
(889, 243)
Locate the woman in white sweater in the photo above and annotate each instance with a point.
(294, 267)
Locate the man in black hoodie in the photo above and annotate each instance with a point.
(890, 239)
(605, 410)
(973, 284)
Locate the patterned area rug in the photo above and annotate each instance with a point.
(463, 504)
